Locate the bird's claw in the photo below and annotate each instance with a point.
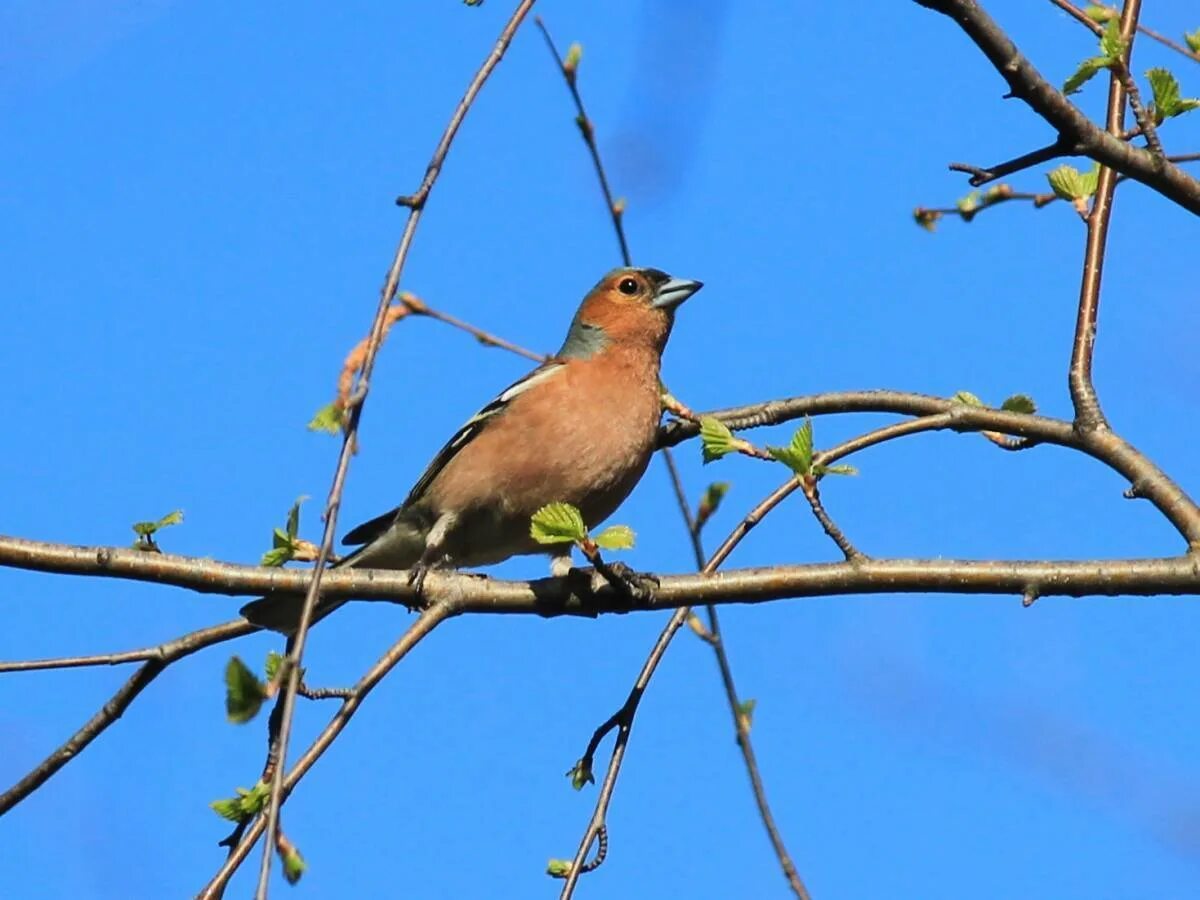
(638, 587)
(416, 580)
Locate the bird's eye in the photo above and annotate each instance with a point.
(628, 286)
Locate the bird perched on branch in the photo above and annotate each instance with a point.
(578, 429)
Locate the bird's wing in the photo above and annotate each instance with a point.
(368, 531)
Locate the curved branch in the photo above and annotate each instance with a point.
(415, 204)
(425, 623)
(161, 657)
(1073, 126)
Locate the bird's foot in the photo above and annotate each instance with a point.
(637, 587)
(416, 580)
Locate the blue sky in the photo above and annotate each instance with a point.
(195, 217)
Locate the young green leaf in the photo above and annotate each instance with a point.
(837, 469)
(293, 517)
(967, 399)
(1111, 44)
(797, 455)
(557, 523)
(558, 868)
(255, 800)
(1084, 73)
(228, 808)
(615, 537)
(968, 205)
(293, 864)
(574, 56)
(1020, 403)
(1167, 102)
(581, 774)
(277, 556)
(716, 439)
(711, 501)
(329, 419)
(1099, 14)
(1067, 182)
(274, 661)
(145, 529)
(1192, 39)
(244, 693)
(246, 805)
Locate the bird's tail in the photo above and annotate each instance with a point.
(398, 548)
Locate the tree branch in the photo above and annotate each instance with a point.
(1073, 127)
(157, 659)
(415, 204)
(741, 726)
(425, 623)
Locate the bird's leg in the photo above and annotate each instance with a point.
(560, 562)
(433, 554)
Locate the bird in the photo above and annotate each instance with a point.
(580, 429)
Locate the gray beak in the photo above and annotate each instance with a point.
(674, 292)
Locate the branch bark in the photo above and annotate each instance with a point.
(1073, 127)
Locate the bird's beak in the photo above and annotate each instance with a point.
(674, 292)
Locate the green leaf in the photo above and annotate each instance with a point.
(967, 398)
(1070, 184)
(255, 800)
(968, 205)
(145, 529)
(837, 469)
(1192, 39)
(280, 538)
(1111, 44)
(277, 556)
(615, 537)
(274, 661)
(1083, 74)
(558, 868)
(246, 805)
(293, 865)
(797, 455)
(329, 419)
(557, 523)
(228, 808)
(1099, 14)
(244, 693)
(716, 438)
(581, 774)
(171, 518)
(711, 501)
(293, 517)
(1167, 102)
(574, 56)
(1020, 403)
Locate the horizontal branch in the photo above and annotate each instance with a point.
(559, 596)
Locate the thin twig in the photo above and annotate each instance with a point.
(980, 177)
(161, 657)
(1027, 84)
(741, 726)
(1088, 415)
(415, 204)
(429, 619)
(418, 307)
(1080, 16)
(812, 494)
(615, 210)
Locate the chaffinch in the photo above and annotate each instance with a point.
(579, 429)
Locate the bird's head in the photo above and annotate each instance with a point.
(628, 306)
